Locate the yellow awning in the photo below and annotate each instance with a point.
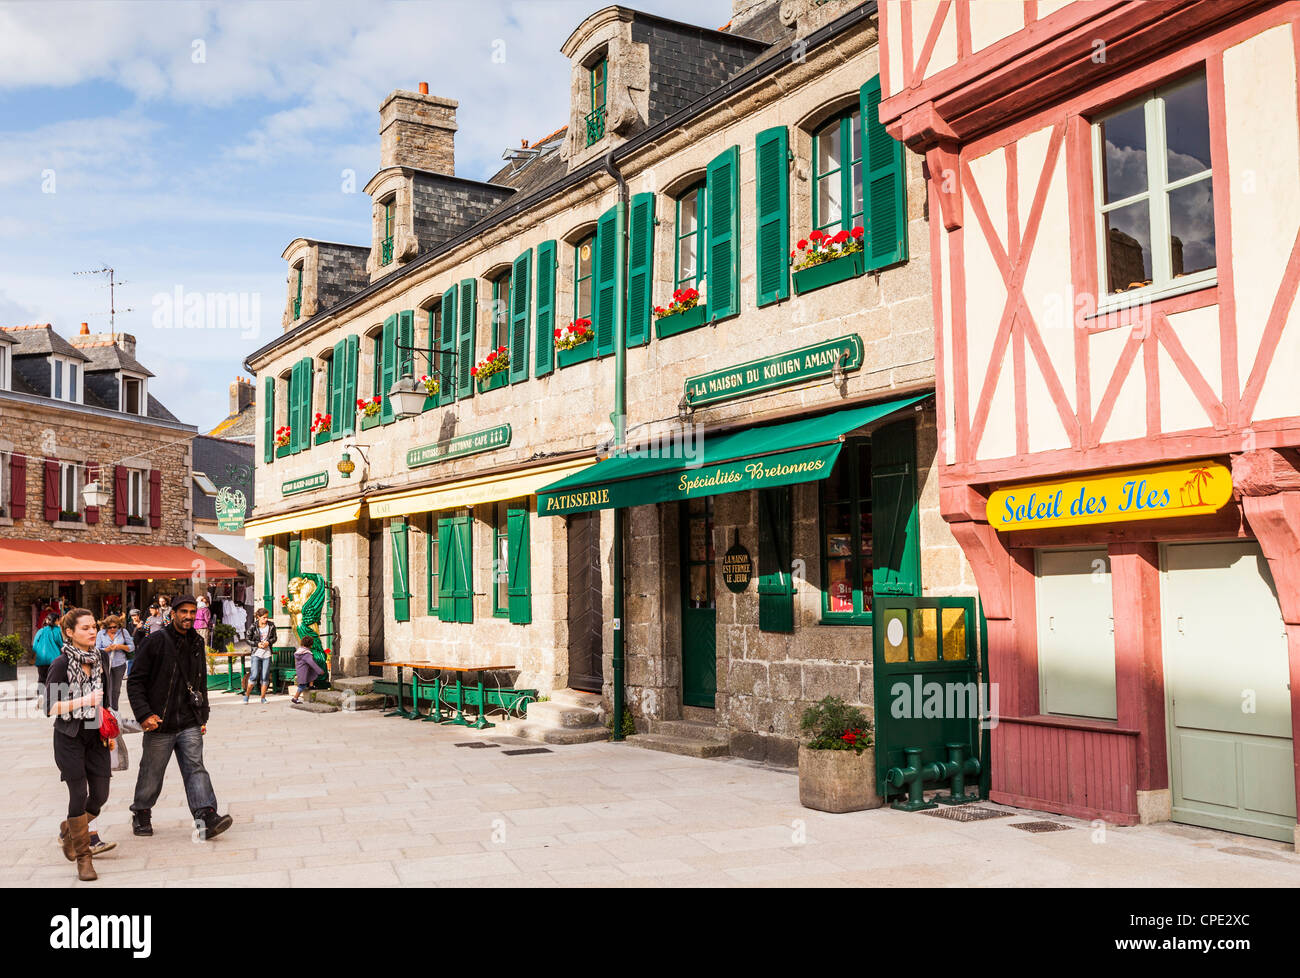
(309, 519)
(472, 492)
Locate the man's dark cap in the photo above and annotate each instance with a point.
(182, 600)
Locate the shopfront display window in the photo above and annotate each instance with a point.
(847, 536)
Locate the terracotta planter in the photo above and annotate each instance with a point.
(838, 780)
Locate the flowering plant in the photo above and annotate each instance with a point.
(834, 725)
(575, 334)
(496, 361)
(284, 602)
(321, 423)
(820, 247)
(371, 407)
(683, 299)
(430, 384)
(282, 434)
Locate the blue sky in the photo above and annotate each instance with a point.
(185, 144)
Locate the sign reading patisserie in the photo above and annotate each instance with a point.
(317, 480)
(782, 370)
(1139, 494)
(475, 441)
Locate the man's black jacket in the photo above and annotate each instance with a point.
(164, 662)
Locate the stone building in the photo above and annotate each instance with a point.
(472, 528)
(74, 412)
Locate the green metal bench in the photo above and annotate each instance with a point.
(284, 673)
(438, 694)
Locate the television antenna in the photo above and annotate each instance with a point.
(112, 292)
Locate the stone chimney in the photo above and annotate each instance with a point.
(419, 130)
(744, 9)
(241, 395)
(85, 338)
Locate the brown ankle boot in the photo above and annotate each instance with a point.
(79, 829)
(65, 840)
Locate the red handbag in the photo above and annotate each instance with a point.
(108, 727)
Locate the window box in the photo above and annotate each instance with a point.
(680, 322)
(430, 402)
(282, 450)
(67, 517)
(499, 379)
(322, 436)
(135, 521)
(829, 272)
(370, 422)
(581, 352)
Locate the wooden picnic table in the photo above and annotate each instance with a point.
(230, 673)
(435, 716)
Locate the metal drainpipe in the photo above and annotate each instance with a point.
(620, 434)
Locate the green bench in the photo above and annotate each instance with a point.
(438, 694)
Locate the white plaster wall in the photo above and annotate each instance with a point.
(945, 47)
(948, 436)
(1049, 7)
(1128, 420)
(992, 20)
(892, 16)
(1198, 331)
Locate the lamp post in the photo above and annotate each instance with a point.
(406, 397)
(94, 495)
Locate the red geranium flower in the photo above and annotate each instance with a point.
(850, 737)
(857, 233)
(803, 244)
(840, 237)
(473, 371)
(816, 236)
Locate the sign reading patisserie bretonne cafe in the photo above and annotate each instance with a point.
(1193, 489)
(769, 373)
(475, 441)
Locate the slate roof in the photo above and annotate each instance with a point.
(39, 339)
(112, 357)
(226, 463)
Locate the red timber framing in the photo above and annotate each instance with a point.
(1042, 79)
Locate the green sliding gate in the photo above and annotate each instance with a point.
(929, 694)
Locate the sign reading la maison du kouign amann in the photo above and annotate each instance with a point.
(782, 370)
(318, 480)
(475, 441)
(1161, 492)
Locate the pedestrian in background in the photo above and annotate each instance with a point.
(48, 646)
(165, 609)
(262, 638)
(154, 623)
(135, 628)
(203, 621)
(114, 640)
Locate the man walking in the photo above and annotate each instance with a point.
(168, 689)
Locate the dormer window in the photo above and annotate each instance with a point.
(297, 299)
(66, 380)
(386, 255)
(599, 77)
(5, 383)
(133, 395)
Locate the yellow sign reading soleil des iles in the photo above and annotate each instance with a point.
(1138, 494)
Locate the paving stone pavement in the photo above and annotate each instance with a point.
(357, 799)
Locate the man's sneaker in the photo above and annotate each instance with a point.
(141, 823)
(245, 699)
(213, 824)
(263, 699)
(98, 845)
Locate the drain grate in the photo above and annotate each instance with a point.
(529, 750)
(1040, 826)
(477, 745)
(965, 813)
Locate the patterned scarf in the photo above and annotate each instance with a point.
(79, 684)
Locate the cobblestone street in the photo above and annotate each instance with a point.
(357, 799)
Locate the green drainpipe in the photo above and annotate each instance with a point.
(620, 433)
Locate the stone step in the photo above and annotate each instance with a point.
(576, 697)
(357, 684)
(310, 707)
(689, 730)
(347, 699)
(549, 735)
(559, 714)
(686, 747)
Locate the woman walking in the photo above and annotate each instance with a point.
(203, 621)
(47, 645)
(77, 688)
(115, 640)
(262, 637)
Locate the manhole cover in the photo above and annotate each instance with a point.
(530, 750)
(1042, 826)
(477, 745)
(965, 813)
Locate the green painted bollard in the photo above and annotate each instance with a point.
(913, 777)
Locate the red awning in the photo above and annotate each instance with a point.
(34, 560)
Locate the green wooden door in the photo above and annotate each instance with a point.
(1227, 697)
(699, 605)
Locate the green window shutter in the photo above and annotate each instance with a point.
(520, 294)
(406, 338)
(895, 550)
(446, 570)
(295, 555)
(338, 387)
(447, 343)
(388, 368)
(609, 247)
(432, 559)
(268, 421)
(463, 558)
(884, 180)
(640, 273)
(772, 204)
(723, 217)
(520, 581)
(775, 560)
(352, 350)
(467, 321)
(292, 408)
(401, 582)
(545, 346)
(304, 411)
(268, 578)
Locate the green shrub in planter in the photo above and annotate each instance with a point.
(223, 635)
(834, 725)
(11, 650)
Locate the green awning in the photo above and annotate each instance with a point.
(755, 458)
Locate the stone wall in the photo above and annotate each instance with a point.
(417, 129)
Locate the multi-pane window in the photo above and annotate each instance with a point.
(431, 566)
(846, 535)
(387, 248)
(377, 354)
(837, 173)
(1155, 191)
(501, 312)
(596, 117)
(582, 265)
(500, 561)
(690, 239)
(135, 494)
(297, 301)
(69, 488)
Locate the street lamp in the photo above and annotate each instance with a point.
(406, 397)
(94, 495)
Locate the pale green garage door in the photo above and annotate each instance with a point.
(1227, 701)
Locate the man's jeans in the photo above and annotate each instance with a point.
(158, 747)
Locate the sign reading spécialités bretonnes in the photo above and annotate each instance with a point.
(317, 480)
(475, 441)
(782, 370)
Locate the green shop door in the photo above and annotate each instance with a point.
(699, 607)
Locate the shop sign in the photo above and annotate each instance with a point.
(304, 484)
(1140, 494)
(769, 373)
(737, 569)
(231, 506)
(477, 441)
